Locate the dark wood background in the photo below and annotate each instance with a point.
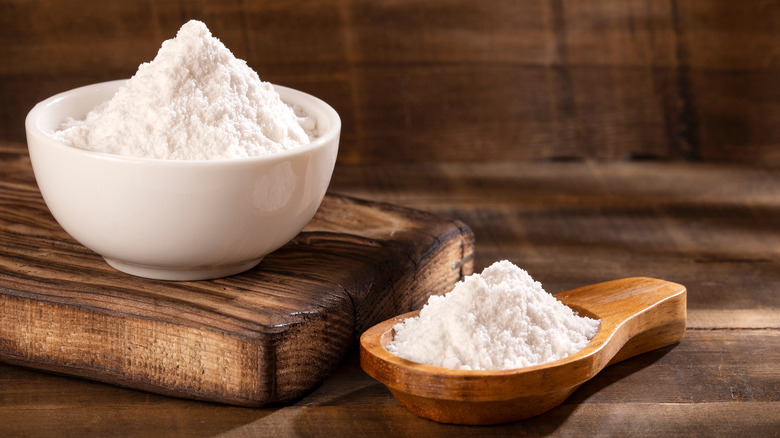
(452, 80)
(583, 140)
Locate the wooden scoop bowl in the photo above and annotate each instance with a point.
(637, 315)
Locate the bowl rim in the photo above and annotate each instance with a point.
(329, 137)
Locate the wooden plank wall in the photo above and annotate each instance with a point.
(453, 80)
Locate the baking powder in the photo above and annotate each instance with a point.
(194, 101)
(500, 319)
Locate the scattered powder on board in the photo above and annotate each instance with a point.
(500, 319)
(194, 101)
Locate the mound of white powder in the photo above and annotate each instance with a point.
(194, 101)
(500, 319)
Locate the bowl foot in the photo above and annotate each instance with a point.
(182, 274)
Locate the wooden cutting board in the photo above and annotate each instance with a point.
(268, 335)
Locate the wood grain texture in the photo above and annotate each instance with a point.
(715, 383)
(636, 315)
(711, 227)
(267, 335)
(455, 80)
(570, 224)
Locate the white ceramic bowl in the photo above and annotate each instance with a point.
(179, 220)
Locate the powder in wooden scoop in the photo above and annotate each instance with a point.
(500, 319)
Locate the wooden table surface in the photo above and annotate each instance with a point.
(714, 228)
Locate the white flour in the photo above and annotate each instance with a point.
(500, 319)
(194, 101)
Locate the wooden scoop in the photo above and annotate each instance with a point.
(637, 315)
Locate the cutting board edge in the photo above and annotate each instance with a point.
(258, 385)
(130, 361)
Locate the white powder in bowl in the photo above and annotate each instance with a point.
(194, 101)
(500, 319)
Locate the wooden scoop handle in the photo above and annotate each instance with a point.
(637, 314)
